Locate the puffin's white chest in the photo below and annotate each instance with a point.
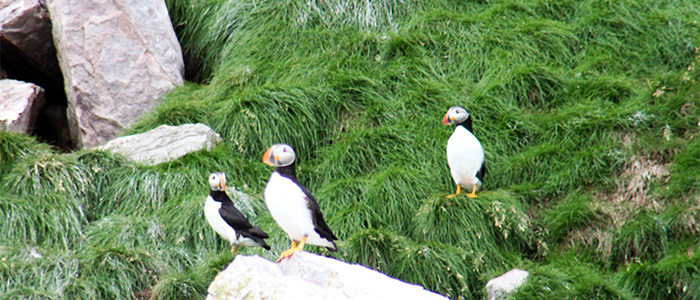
(464, 156)
(287, 204)
(211, 211)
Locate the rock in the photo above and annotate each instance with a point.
(25, 35)
(308, 276)
(118, 57)
(502, 286)
(164, 143)
(19, 105)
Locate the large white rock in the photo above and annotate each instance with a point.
(164, 143)
(502, 286)
(20, 103)
(118, 57)
(308, 276)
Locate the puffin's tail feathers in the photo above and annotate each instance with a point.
(334, 248)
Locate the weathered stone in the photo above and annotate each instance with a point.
(164, 143)
(308, 276)
(25, 35)
(118, 57)
(502, 286)
(20, 103)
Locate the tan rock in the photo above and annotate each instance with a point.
(118, 58)
(20, 103)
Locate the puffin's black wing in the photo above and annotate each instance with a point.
(238, 221)
(319, 223)
(480, 174)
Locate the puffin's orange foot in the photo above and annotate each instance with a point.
(459, 190)
(473, 193)
(293, 249)
(287, 254)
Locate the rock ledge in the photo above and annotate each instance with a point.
(308, 276)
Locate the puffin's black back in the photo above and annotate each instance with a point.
(237, 220)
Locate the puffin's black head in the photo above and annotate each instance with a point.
(217, 181)
(455, 115)
(279, 155)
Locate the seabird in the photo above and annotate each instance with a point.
(227, 220)
(292, 206)
(465, 156)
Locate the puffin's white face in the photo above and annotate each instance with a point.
(279, 155)
(217, 181)
(455, 115)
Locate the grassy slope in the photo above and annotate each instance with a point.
(588, 111)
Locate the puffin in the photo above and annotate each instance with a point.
(227, 220)
(465, 156)
(292, 206)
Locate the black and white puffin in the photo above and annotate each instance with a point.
(227, 220)
(464, 153)
(292, 206)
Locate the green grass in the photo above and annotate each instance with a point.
(570, 276)
(565, 96)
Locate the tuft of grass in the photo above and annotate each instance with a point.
(685, 178)
(137, 190)
(682, 219)
(51, 174)
(179, 286)
(573, 212)
(643, 238)
(566, 276)
(677, 273)
(447, 269)
(15, 146)
(494, 220)
(53, 220)
(123, 231)
(31, 272)
(119, 271)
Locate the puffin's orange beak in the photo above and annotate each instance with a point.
(223, 185)
(267, 158)
(444, 119)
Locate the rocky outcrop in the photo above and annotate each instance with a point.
(501, 287)
(308, 276)
(118, 57)
(19, 105)
(164, 143)
(25, 35)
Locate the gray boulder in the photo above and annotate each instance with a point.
(118, 58)
(501, 287)
(164, 143)
(19, 105)
(308, 276)
(25, 35)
